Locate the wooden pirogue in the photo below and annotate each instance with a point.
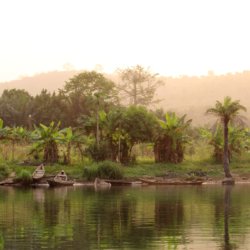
(170, 182)
(60, 179)
(38, 174)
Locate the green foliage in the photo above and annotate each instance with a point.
(46, 139)
(15, 107)
(87, 92)
(227, 111)
(238, 140)
(47, 107)
(109, 170)
(4, 171)
(130, 126)
(139, 123)
(24, 176)
(171, 138)
(90, 172)
(103, 170)
(100, 152)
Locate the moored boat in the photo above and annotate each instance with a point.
(121, 182)
(60, 179)
(38, 174)
(170, 182)
(57, 182)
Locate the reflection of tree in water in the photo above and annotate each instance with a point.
(168, 214)
(112, 215)
(227, 196)
(52, 205)
(223, 212)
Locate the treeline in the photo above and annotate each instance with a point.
(88, 113)
(88, 110)
(78, 98)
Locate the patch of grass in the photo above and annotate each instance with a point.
(24, 176)
(4, 171)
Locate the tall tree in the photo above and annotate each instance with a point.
(48, 107)
(128, 127)
(139, 85)
(226, 111)
(15, 106)
(86, 92)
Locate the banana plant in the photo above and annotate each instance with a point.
(46, 139)
(238, 140)
(16, 135)
(72, 138)
(171, 138)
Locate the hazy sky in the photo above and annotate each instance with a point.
(172, 37)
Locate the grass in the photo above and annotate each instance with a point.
(198, 158)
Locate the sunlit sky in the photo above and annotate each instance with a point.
(172, 37)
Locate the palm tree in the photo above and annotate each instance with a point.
(226, 111)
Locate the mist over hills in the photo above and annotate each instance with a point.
(51, 81)
(185, 94)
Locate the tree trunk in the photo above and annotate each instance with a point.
(97, 129)
(226, 156)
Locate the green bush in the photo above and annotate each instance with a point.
(100, 153)
(103, 170)
(24, 177)
(4, 171)
(109, 170)
(90, 172)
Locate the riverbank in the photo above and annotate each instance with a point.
(209, 172)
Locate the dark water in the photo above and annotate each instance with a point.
(206, 217)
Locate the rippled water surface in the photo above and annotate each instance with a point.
(205, 217)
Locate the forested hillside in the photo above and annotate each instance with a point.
(191, 95)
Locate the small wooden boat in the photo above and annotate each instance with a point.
(60, 179)
(57, 182)
(170, 182)
(38, 174)
(120, 182)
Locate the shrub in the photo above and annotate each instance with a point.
(24, 177)
(100, 153)
(109, 170)
(90, 172)
(103, 170)
(4, 171)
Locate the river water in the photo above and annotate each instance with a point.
(169, 217)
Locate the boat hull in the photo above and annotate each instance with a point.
(155, 182)
(60, 183)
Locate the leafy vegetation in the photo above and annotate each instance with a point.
(226, 111)
(104, 170)
(86, 122)
(24, 176)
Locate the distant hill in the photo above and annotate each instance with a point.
(51, 81)
(185, 95)
(193, 95)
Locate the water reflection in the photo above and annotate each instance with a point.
(227, 198)
(213, 217)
